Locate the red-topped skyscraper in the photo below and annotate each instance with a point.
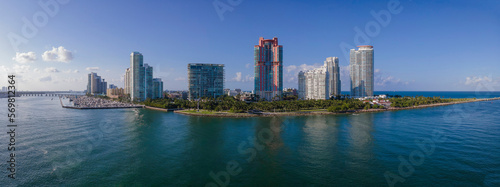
(268, 68)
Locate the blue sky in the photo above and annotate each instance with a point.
(425, 46)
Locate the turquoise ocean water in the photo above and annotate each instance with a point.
(457, 145)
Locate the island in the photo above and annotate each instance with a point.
(230, 107)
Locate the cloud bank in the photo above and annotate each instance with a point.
(92, 68)
(25, 57)
(59, 54)
(51, 70)
(476, 80)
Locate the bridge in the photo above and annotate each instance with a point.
(43, 94)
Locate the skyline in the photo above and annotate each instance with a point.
(455, 42)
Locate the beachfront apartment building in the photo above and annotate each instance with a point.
(362, 71)
(268, 57)
(320, 83)
(157, 88)
(96, 85)
(205, 80)
(139, 82)
(333, 72)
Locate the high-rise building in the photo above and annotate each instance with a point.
(112, 86)
(127, 81)
(302, 85)
(315, 84)
(333, 69)
(157, 88)
(137, 86)
(362, 68)
(96, 85)
(320, 83)
(205, 80)
(148, 81)
(268, 56)
(139, 78)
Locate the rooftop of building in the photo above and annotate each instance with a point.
(202, 64)
(365, 46)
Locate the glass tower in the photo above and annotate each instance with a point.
(333, 76)
(137, 87)
(148, 81)
(157, 88)
(205, 80)
(362, 68)
(139, 78)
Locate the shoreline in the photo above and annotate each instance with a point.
(312, 113)
(92, 108)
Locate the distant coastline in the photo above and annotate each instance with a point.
(311, 113)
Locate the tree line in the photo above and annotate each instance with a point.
(226, 103)
(344, 104)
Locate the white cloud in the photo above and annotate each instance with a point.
(290, 68)
(248, 65)
(476, 80)
(238, 77)
(25, 57)
(46, 79)
(21, 68)
(292, 71)
(249, 78)
(305, 67)
(73, 80)
(384, 80)
(180, 79)
(36, 70)
(92, 68)
(4, 69)
(59, 54)
(71, 71)
(51, 70)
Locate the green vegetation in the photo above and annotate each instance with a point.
(401, 102)
(230, 104)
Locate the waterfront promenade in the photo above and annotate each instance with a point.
(85, 102)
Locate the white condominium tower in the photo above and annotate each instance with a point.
(136, 77)
(362, 68)
(333, 69)
(320, 83)
(96, 85)
(139, 82)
